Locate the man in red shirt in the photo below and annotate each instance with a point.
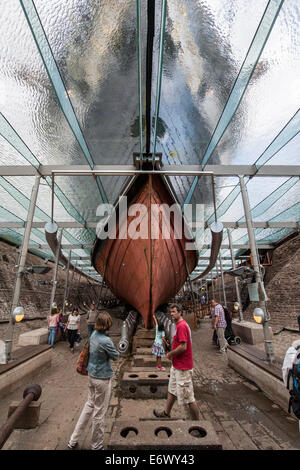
(181, 355)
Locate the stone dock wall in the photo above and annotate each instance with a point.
(35, 293)
(281, 283)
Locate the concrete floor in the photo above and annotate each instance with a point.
(242, 416)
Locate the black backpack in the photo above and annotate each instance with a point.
(294, 373)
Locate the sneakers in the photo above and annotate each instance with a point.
(160, 414)
(160, 368)
(72, 446)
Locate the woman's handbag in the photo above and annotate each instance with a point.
(83, 359)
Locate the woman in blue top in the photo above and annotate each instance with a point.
(158, 345)
(100, 372)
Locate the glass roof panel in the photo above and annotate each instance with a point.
(267, 106)
(289, 154)
(204, 49)
(94, 44)
(69, 95)
(39, 121)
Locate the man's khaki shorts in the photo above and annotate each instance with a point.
(181, 385)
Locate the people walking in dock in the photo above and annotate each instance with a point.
(181, 372)
(52, 324)
(219, 325)
(60, 325)
(100, 372)
(73, 327)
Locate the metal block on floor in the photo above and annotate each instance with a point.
(37, 336)
(136, 370)
(30, 417)
(143, 333)
(142, 342)
(142, 351)
(145, 384)
(149, 361)
(159, 434)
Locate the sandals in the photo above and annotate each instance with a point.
(72, 446)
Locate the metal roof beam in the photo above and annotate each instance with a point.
(193, 225)
(205, 247)
(236, 225)
(127, 170)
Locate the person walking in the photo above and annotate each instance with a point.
(52, 324)
(60, 325)
(91, 319)
(181, 372)
(158, 345)
(100, 372)
(219, 325)
(73, 327)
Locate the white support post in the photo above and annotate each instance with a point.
(21, 266)
(258, 277)
(223, 283)
(66, 282)
(54, 282)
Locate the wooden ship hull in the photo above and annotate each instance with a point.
(146, 273)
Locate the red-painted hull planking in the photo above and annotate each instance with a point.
(146, 273)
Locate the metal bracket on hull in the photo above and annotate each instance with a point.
(51, 229)
(147, 161)
(217, 235)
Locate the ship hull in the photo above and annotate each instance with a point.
(146, 272)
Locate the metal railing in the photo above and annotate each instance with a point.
(31, 393)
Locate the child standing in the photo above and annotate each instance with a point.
(160, 340)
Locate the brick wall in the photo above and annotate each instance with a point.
(281, 283)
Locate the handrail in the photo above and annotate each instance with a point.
(31, 393)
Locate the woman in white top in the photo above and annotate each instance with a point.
(72, 327)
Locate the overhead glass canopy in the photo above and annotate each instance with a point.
(224, 91)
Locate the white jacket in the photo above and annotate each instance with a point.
(290, 356)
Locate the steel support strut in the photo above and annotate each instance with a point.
(67, 281)
(237, 289)
(21, 266)
(55, 271)
(258, 277)
(223, 283)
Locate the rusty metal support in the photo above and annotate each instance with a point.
(51, 230)
(31, 393)
(217, 235)
(127, 331)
